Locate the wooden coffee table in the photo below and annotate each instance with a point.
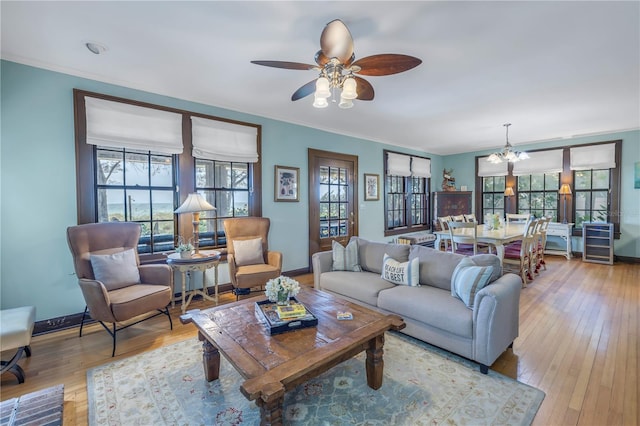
(273, 365)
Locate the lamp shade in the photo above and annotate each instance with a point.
(508, 192)
(194, 203)
(565, 189)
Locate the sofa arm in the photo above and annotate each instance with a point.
(320, 262)
(155, 274)
(495, 318)
(97, 299)
(274, 258)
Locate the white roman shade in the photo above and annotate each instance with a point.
(398, 164)
(593, 157)
(222, 141)
(486, 168)
(122, 125)
(539, 162)
(420, 167)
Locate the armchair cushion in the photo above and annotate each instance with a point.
(116, 270)
(248, 252)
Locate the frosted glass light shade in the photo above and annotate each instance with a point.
(322, 88)
(319, 102)
(349, 89)
(345, 103)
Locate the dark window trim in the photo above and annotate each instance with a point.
(185, 163)
(407, 209)
(566, 176)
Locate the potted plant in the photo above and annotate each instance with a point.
(184, 249)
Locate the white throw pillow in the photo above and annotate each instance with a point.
(345, 258)
(405, 273)
(116, 269)
(468, 279)
(248, 252)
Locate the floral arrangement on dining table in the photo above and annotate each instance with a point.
(493, 221)
(280, 290)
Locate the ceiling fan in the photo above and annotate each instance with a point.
(337, 67)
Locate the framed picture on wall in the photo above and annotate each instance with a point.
(287, 182)
(371, 187)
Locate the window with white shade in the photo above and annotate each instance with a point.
(137, 162)
(406, 192)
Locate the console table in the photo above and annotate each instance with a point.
(562, 230)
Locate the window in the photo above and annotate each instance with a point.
(126, 172)
(225, 185)
(591, 195)
(538, 195)
(334, 201)
(137, 186)
(493, 195)
(406, 193)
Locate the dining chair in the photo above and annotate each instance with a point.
(541, 242)
(518, 255)
(470, 218)
(442, 221)
(465, 240)
(517, 218)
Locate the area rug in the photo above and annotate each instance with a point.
(422, 385)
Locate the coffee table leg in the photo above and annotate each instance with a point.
(375, 363)
(211, 361)
(271, 404)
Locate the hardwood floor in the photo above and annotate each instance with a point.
(579, 326)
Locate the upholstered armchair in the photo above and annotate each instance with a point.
(116, 288)
(251, 264)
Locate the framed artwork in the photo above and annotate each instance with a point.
(371, 187)
(287, 182)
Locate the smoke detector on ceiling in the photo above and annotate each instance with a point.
(95, 48)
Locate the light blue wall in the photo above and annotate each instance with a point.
(38, 184)
(629, 243)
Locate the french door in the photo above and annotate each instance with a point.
(333, 199)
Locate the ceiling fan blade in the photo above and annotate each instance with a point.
(364, 89)
(304, 91)
(286, 65)
(321, 58)
(386, 64)
(336, 41)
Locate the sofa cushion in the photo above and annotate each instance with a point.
(489, 260)
(363, 286)
(372, 253)
(345, 258)
(436, 267)
(430, 305)
(468, 279)
(405, 273)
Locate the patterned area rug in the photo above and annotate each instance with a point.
(422, 385)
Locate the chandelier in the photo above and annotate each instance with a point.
(507, 153)
(333, 77)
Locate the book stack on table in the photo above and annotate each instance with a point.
(291, 311)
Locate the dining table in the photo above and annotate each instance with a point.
(495, 237)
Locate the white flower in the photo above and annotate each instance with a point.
(281, 284)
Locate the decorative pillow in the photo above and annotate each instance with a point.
(405, 273)
(116, 269)
(468, 279)
(345, 258)
(248, 252)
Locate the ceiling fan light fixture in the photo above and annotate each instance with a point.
(345, 103)
(319, 102)
(322, 88)
(349, 89)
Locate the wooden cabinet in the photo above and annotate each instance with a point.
(597, 241)
(450, 203)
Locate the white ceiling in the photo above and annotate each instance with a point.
(554, 69)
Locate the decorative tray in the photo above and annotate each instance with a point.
(201, 257)
(266, 313)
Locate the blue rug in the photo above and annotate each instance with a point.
(422, 385)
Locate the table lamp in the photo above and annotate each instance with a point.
(194, 204)
(564, 191)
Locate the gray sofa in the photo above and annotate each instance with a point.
(430, 311)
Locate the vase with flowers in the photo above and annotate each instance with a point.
(492, 221)
(184, 248)
(280, 290)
